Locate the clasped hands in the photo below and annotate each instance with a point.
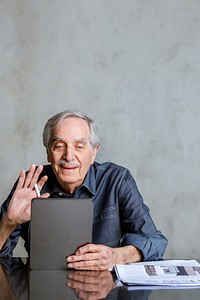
(92, 257)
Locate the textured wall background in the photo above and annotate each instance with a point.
(133, 66)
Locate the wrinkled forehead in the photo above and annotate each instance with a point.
(72, 125)
(72, 129)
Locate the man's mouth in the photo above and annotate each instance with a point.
(70, 166)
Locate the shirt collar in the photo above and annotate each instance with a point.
(89, 182)
(53, 185)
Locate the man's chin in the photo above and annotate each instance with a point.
(68, 179)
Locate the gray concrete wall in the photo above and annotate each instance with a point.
(133, 66)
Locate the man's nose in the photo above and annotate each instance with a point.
(69, 154)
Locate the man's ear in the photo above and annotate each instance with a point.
(48, 156)
(97, 148)
(94, 153)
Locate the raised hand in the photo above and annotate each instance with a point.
(19, 210)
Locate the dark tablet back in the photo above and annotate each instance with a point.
(58, 227)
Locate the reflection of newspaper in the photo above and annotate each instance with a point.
(169, 272)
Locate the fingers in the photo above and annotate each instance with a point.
(82, 262)
(19, 209)
(38, 187)
(95, 265)
(41, 182)
(87, 252)
(89, 248)
(21, 180)
(32, 176)
(91, 257)
(29, 179)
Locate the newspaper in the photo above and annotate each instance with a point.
(184, 273)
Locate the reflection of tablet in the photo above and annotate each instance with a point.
(50, 285)
(58, 227)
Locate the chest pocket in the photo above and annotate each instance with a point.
(106, 227)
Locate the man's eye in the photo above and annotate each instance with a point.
(79, 146)
(58, 146)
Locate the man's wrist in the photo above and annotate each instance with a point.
(6, 228)
(9, 223)
(127, 254)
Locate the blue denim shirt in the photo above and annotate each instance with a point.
(120, 216)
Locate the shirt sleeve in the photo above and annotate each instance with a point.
(17, 276)
(138, 228)
(8, 247)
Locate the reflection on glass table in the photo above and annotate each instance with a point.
(18, 282)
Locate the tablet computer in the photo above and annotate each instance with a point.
(58, 227)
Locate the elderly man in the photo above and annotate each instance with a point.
(123, 230)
